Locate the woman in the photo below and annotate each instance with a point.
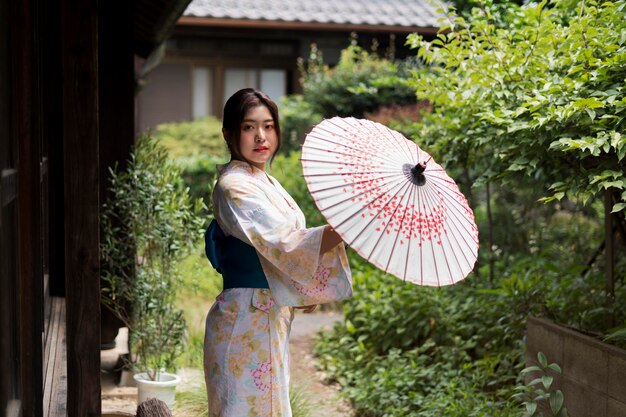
(270, 264)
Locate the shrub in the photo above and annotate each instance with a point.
(202, 137)
(149, 225)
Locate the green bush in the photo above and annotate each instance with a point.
(199, 174)
(360, 83)
(297, 118)
(202, 137)
(196, 147)
(539, 101)
(403, 347)
(149, 225)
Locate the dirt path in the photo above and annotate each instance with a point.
(324, 399)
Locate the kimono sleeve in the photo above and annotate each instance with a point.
(249, 213)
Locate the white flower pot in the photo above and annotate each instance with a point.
(163, 389)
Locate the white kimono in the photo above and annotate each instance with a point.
(246, 346)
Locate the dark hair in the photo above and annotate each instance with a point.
(235, 110)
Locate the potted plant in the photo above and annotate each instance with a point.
(149, 225)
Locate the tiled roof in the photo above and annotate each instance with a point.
(407, 13)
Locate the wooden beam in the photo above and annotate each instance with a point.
(29, 288)
(79, 52)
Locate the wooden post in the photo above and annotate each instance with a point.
(29, 286)
(79, 51)
(609, 247)
(116, 111)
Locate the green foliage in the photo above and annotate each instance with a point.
(359, 83)
(201, 137)
(192, 402)
(288, 171)
(408, 350)
(197, 147)
(539, 390)
(149, 225)
(617, 336)
(528, 104)
(297, 118)
(201, 284)
(540, 100)
(199, 174)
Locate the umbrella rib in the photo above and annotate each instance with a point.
(459, 216)
(461, 233)
(430, 239)
(434, 203)
(375, 129)
(397, 235)
(403, 144)
(421, 245)
(399, 176)
(390, 173)
(328, 162)
(410, 240)
(313, 135)
(384, 229)
(357, 212)
(440, 179)
(335, 152)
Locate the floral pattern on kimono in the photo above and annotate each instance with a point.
(247, 330)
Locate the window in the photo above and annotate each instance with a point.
(202, 92)
(273, 82)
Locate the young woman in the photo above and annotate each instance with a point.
(270, 263)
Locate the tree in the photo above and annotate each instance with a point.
(539, 101)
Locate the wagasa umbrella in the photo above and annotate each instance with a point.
(390, 201)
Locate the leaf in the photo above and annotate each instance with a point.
(556, 401)
(541, 357)
(555, 367)
(618, 207)
(531, 369)
(546, 380)
(588, 103)
(531, 408)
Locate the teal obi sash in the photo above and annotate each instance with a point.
(237, 261)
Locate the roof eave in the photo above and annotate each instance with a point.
(273, 24)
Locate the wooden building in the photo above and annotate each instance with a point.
(218, 47)
(67, 84)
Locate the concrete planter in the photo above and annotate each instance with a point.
(593, 378)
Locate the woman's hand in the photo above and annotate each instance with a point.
(307, 309)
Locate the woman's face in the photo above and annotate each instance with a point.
(258, 136)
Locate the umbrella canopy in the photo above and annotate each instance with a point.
(390, 201)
